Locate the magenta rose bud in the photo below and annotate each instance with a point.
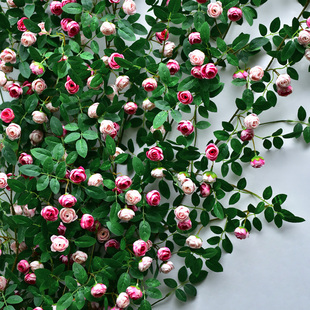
(20, 24)
(112, 243)
(212, 151)
(181, 213)
(194, 38)
(247, 134)
(149, 84)
(123, 299)
(155, 153)
(140, 247)
(73, 28)
(123, 182)
(234, 14)
(164, 254)
(186, 225)
(256, 73)
(194, 242)
(25, 159)
(87, 221)
(50, 213)
(13, 131)
(186, 128)
(7, 115)
(130, 108)
(111, 61)
(209, 71)
(78, 175)
(173, 66)
(196, 72)
(23, 266)
(240, 74)
(215, 9)
(166, 267)
(153, 198)
(205, 189)
(64, 23)
(61, 229)
(36, 68)
(15, 90)
(56, 7)
(257, 162)
(71, 86)
(28, 38)
(129, 8)
(185, 97)
(241, 233)
(197, 57)
(284, 91)
(251, 121)
(134, 292)
(98, 290)
(30, 278)
(145, 263)
(162, 36)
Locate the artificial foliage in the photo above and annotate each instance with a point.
(102, 181)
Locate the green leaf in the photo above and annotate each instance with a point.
(219, 211)
(56, 126)
(152, 283)
(55, 186)
(145, 305)
(125, 32)
(214, 265)
(116, 228)
(72, 137)
(180, 295)
(95, 192)
(190, 290)
(176, 115)
(249, 14)
(14, 299)
(233, 60)
(275, 25)
(187, 84)
(257, 43)
(138, 166)
(70, 283)
(205, 32)
(227, 245)
(267, 194)
(301, 113)
(65, 301)
(30, 170)
(123, 282)
(9, 155)
(87, 4)
(90, 135)
(31, 26)
(203, 125)
(182, 274)
(24, 69)
(159, 119)
(81, 147)
(164, 73)
(154, 292)
(171, 283)
(221, 135)
(85, 241)
(292, 73)
(144, 230)
(174, 6)
(257, 223)
(16, 186)
(72, 8)
(42, 182)
(306, 134)
(110, 144)
(139, 29)
(288, 50)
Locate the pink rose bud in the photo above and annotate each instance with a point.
(56, 7)
(8, 55)
(30, 278)
(186, 225)
(107, 127)
(194, 38)
(256, 73)
(158, 173)
(182, 176)
(147, 105)
(123, 299)
(50, 213)
(205, 189)
(20, 24)
(64, 2)
(7, 115)
(37, 308)
(194, 242)
(29, 212)
(153, 198)
(134, 292)
(28, 38)
(95, 180)
(247, 134)
(209, 71)
(304, 37)
(36, 137)
(126, 214)
(234, 14)
(38, 86)
(92, 110)
(87, 221)
(167, 49)
(284, 91)
(215, 9)
(59, 243)
(173, 66)
(209, 177)
(78, 175)
(166, 267)
(155, 153)
(3, 283)
(185, 97)
(13, 131)
(164, 254)
(23, 266)
(181, 213)
(61, 229)
(123, 182)
(25, 159)
(64, 23)
(35, 265)
(15, 90)
(149, 84)
(118, 151)
(188, 187)
(43, 30)
(145, 263)
(67, 200)
(132, 197)
(79, 257)
(39, 117)
(67, 215)
(162, 36)
(160, 128)
(185, 127)
(111, 61)
(251, 121)
(5, 69)
(36, 68)
(11, 4)
(3, 78)
(202, 1)
(129, 8)
(283, 81)
(257, 162)
(240, 74)
(98, 290)
(212, 151)
(112, 243)
(17, 209)
(64, 259)
(108, 28)
(140, 247)
(73, 28)
(241, 233)
(103, 234)
(122, 82)
(308, 22)
(196, 72)
(130, 108)
(71, 86)
(197, 57)
(22, 246)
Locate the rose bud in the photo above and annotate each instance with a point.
(129, 8)
(153, 198)
(5, 69)
(67, 215)
(108, 28)
(36, 137)
(59, 243)
(103, 234)
(132, 197)
(118, 151)
(38, 86)
(28, 38)
(186, 225)
(149, 84)
(194, 242)
(16, 210)
(307, 54)
(162, 36)
(241, 233)
(20, 24)
(43, 30)
(3, 78)
(247, 134)
(11, 4)
(284, 91)
(158, 173)
(256, 73)
(23, 266)
(29, 212)
(185, 97)
(98, 290)
(36, 68)
(73, 29)
(61, 229)
(197, 57)
(209, 177)
(205, 189)
(87, 221)
(37, 308)
(304, 37)
(64, 259)
(13, 131)
(30, 278)
(126, 214)
(194, 38)
(39, 117)
(215, 9)
(25, 159)
(79, 257)
(28, 85)
(130, 108)
(167, 49)
(212, 151)
(35, 265)
(92, 87)
(147, 105)
(240, 74)
(95, 180)
(196, 72)
(15, 90)
(8, 55)
(22, 246)
(188, 187)
(64, 23)
(78, 175)
(164, 253)
(251, 121)
(234, 14)
(134, 292)
(3, 282)
(107, 127)
(111, 61)
(7, 115)
(140, 247)
(160, 128)
(50, 213)
(123, 182)
(182, 176)
(166, 267)
(257, 162)
(112, 243)
(155, 153)
(173, 66)
(115, 92)
(181, 213)
(56, 7)
(145, 263)
(209, 71)
(71, 86)
(92, 110)
(67, 200)
(122, 82)
(185, 127)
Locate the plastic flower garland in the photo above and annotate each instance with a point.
(75, 232)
